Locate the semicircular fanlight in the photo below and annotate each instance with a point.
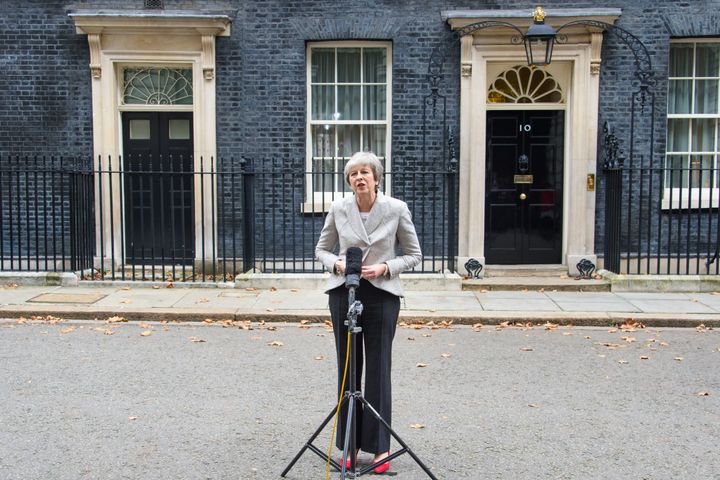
(523, 84)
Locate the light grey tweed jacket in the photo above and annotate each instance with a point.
(388, 226)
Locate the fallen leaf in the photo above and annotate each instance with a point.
(11, 285)
(411, 338)
(446, 355)
(526, 349)
(124, 288)
(701, 328)
(477, 327)
(210, 320)
(417, 426)
(273, 289)
(550, 326)
(116, 319)
(144, 325)
(276, 343)
(421, 365)
(156, 287)
(105, 331)
(679, 359)
(202, 300)
(125, 301)
(132, 418)
(623, 362)
(703, 394)
(567, 334)
(426, 335)
(67, 330)
(146, 333)
(628, 339)
(197, 340)
(169, 285)
(533, 405)
(320, 357)
(294, 290)
(644, 357)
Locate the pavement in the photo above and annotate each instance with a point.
(144, 301)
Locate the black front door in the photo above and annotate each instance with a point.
(158, 187)
(523, 214)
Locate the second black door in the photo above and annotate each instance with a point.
(158, 187)
(523, 214)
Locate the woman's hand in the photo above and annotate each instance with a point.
(371, 272)
(340, 266)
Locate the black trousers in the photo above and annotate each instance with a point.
(374, 345)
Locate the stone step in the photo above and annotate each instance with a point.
(525, 270)
(536, 283)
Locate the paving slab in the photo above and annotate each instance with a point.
(582, 297)
(522, 295)
(448, 301)
(596, 306)
(517, 305)
(670, 306)
(292, 300)
(18, 295)
(214, 299)
(68, 297)
(142, 297)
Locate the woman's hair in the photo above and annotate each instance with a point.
(364, 158)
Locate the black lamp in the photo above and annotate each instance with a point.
(539, 40)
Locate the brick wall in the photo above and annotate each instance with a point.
(46, 98)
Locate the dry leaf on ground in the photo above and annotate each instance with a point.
(197, 340)
(67, 330)
(276, 343)
(417, 426)
(116, 319)
(421, 365)
(145, 333)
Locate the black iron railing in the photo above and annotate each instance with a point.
(190, 221)
(662, 220)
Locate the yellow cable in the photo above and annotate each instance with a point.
(337, 410)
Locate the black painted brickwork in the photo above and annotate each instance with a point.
(46, 100)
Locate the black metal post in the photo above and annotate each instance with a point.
(248, 179)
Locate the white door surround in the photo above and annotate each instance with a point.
(576, 66)
(141, 38)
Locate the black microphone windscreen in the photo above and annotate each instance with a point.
(353, 261)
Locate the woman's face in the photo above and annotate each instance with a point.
(362, 179)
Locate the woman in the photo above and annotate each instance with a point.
(377, 224)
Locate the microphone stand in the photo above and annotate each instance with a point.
(353, 397)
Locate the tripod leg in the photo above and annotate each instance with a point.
(397, 437)
(312, 438)
(349, 433)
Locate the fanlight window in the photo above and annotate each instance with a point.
(157, 86)
(523, 84)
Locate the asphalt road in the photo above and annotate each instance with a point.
(194, 401)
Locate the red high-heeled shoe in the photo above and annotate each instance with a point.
(384, 467)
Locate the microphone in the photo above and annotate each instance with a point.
(353, 267)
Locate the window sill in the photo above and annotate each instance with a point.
(695, 199)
